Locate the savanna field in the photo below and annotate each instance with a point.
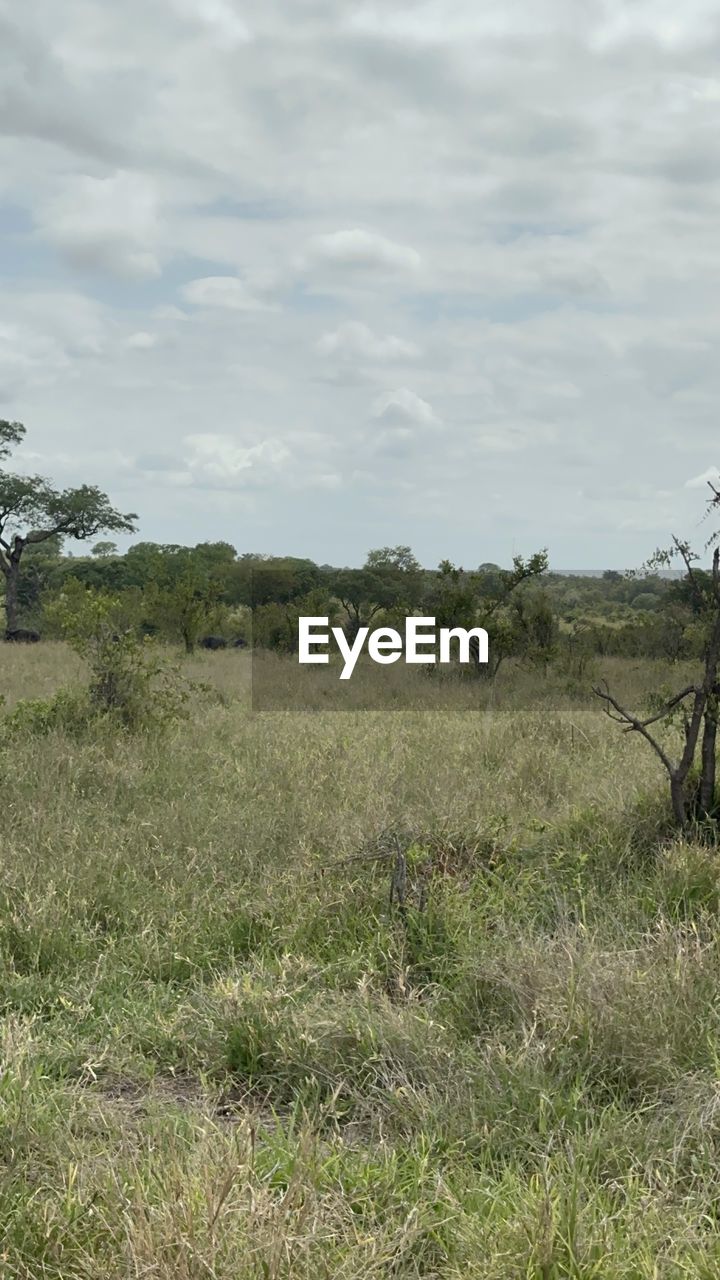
(334, 995)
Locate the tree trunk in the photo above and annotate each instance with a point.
(706, 794)
(11, 596)
(352, 625)
(677, 797)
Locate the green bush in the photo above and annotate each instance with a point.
(68, 710)
(130, 678)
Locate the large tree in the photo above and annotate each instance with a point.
(32, 511)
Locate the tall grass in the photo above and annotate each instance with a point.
(226, 1054)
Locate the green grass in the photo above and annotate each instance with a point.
(225, 1054)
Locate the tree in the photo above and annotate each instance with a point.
(183, 599)
(276, 626)
(393, 560)
(452, 596)
(103, 550)
(645, 601)
(42, 566)
(692, 789)
(461, 599)
(536, 626)
(33, 512)
(390, 580)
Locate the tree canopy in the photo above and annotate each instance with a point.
(33, 511)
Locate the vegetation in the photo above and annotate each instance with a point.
(693, 792)
(32, 512)
(230, 1050)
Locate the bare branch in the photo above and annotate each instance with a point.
(684, 551)
(684, 693)
(632, 722)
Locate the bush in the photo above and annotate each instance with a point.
(645, 600)
(131, 680)
(68, 710)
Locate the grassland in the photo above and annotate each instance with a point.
(226, 1055)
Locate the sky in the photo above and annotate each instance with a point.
(316, 276)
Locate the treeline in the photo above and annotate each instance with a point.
(183, 594)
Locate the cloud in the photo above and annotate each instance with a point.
(404, 408)
(225, 292)
(357, 250)
(106, 224)
(219, 20)
(142, 341)
(216, 461)
(510, 209)
(404, 419)
(159, 462)
(711, 476)
(354, 341)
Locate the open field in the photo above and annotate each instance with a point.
(227, 1055)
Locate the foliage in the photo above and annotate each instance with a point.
(275, 626)
(645, 600)
(33, 512)
(536, 627)
(451, 598)
(488, 598)
(691, 771)
(68, 711)
(390, 582)
(130, 679)
(184, 605)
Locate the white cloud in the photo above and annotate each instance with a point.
(219, 462)
(142, 341)
(521, 200)
(108, 224)
(711, 476)
(219, 18)
(357, 250)
(404, 408)
(404, 419)
(353, 341)
(226, 292)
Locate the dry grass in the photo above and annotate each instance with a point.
(226, 1055)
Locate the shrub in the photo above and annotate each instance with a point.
(68, 710)
(130, 678)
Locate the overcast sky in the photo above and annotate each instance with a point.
(315, 276)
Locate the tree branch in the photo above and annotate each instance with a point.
(683, 551)
(691, 688)
(632, 722)
(42, 535)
